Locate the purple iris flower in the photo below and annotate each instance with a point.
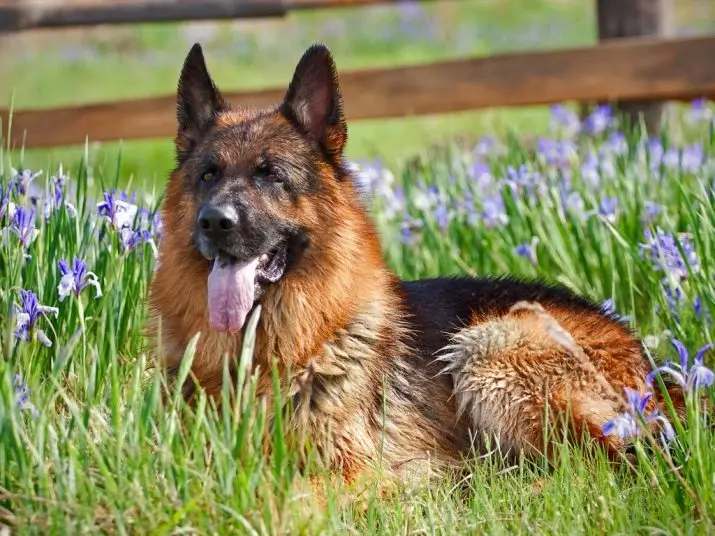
(689, 378)
(528, 250)
(671, 158)
(651, 211)
(523, 179)
(616, 143)
(693, 158)
(564, 120)
(481, 173)
(666, 255)
(117, 209)
(75, 278)
(469, 209)
(408, 228)
(416, 21)
(26, 316)
(674, 295)
(608, 208)
(698, 306)
(151, 223)
(655, 153)
(699, 112)
(22, 393)
(557, 153)
(23, 225)
(131, 238)
(599, 120)
(485, 146)
(21, 181)
(157, 225)
(395, 203)
(442, 216)
(700, 311)
(572, 202)
(56, 195)
(494, 211)
(373, 177)
(628, 425)
(590, 172)
(609, 308)
(425, 198)
(6, 206)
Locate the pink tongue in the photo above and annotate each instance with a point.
(231, 294)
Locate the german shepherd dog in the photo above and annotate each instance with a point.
(262, 209)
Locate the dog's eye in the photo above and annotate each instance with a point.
(209, 174)
(263, 169)
(266, 172)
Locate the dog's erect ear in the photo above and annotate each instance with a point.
(198, 100)
(313, 100)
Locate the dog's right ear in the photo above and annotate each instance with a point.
(313, 100)
(198, 101)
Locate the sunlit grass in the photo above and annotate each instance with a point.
(103, 451)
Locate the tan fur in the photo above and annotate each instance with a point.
(335, 316)
(511, 375)
(343, 335)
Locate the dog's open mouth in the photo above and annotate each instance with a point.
(232, 286)
(271, 265)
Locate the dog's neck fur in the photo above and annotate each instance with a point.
(312, 316)
(335, 323)
(337, 282)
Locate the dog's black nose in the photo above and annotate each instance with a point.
(217, 218)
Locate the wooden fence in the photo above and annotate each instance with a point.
(644, 69)
(17, 16)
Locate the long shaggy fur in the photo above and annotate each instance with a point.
(411, 374)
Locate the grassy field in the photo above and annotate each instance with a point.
(86, 447)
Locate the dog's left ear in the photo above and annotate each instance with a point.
(314, 103)
(198, 101)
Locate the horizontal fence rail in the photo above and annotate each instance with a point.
(635, 69)
(17, 18)
(21, 16)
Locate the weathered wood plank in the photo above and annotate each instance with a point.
(22, 16)
(642, 69)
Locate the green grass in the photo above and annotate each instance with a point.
(104, 455)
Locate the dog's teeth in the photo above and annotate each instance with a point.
(264, 258)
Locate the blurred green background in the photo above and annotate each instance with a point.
(50, 68)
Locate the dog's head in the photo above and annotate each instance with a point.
(254, 183)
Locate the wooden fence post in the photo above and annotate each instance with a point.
(632, 18)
